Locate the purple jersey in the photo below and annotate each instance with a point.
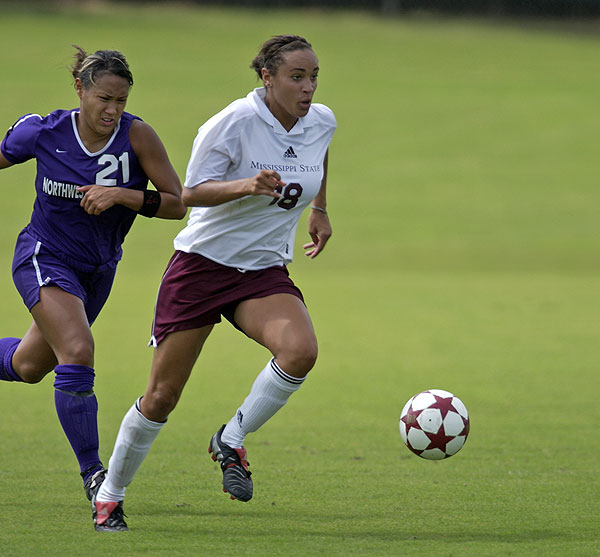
(85, 241)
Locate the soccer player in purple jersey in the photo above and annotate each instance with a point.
(93, 167)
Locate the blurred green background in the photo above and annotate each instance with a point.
(464, 201)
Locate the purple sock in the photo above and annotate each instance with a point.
(8, 346)
(77, 410)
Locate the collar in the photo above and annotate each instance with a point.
(256, 98)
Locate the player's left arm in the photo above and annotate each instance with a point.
(153, 158)
(319, 226)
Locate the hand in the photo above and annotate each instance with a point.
(266, 182)
(320, 231)
(96, 199)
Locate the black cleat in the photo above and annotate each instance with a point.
(236, 476)
(108, 517)
(93, 483)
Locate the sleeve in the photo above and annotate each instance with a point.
(216, 148)
(20, 140)
(325, 116)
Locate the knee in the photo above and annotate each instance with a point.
(78, 352)
(298, 359)
(31, 363)
(30, 372)
(157, 403)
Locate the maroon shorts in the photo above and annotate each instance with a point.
(196, 291)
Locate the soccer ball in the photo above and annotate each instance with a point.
(434, 424)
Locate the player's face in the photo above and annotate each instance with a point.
(102, 104)
(290, 90)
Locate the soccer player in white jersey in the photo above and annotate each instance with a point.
(254, 167)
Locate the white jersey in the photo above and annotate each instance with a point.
(255, 232)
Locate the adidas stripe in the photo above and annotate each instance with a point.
(283, 375)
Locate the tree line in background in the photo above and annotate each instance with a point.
(587, 9)
(544, 8)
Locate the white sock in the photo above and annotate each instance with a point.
(269, 393)
(136, 435)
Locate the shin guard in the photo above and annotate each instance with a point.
(77, 410)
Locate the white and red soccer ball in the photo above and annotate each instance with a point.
(434, 424)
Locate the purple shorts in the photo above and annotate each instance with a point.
(34, 266)
(196, 291)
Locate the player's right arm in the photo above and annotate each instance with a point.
(213, 192)
(216, 148)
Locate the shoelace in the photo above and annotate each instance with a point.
(117, 514)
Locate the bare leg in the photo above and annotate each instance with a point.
(34, 358)
(61, 327)
(281, 323)
(172, 364)
(61, 319)
(171, 367)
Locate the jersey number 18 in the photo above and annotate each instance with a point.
(289, 196)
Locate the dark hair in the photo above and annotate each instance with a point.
(271, 53)
(89, 67)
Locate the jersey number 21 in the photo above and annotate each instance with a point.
(111, 165)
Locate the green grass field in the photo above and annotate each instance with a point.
(464, 197)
